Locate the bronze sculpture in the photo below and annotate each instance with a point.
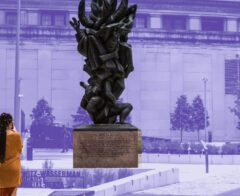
(108, 61)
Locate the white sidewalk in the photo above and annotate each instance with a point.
(33, 192)
(193, 179)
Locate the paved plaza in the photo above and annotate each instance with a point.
(222, 180)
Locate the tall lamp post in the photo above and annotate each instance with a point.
(205, 106)
(17, 80)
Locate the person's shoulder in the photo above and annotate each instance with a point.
(14, 134)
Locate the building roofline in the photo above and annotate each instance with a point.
(141, 3)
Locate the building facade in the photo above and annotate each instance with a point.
(176, 43)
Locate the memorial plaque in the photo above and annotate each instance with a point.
(106, 146)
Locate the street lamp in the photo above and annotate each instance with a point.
(205, 106)
(17, 80)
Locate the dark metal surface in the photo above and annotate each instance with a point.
(108, 57)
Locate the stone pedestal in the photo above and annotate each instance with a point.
(106, 146)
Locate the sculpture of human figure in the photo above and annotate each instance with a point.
(100, 110)
(108, 56)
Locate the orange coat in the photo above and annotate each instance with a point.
(10, 170)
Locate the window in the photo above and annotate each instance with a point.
(46, 19)
(212, 24)
(171, 22)
(141, 21)
(232, 75)
(53, 19)
(11, 18)
(60, 19)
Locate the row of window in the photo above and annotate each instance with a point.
(232, 76)
(169, 22)
(46, 19)
(53, 19)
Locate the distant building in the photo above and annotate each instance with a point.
(175, 42)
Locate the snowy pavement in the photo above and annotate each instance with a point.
(193, 179)
(194, 182)
(33, 192)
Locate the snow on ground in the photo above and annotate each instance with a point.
(33, 192)
(193, 179)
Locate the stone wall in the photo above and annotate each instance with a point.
(163, 71)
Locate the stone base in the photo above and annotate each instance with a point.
(106, 146)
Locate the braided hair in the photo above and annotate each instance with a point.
(5, 120)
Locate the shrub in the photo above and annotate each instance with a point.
(174, 147)
(163, 147)
(196, 148)
(229, 148)
(185, 147)
(213, 149)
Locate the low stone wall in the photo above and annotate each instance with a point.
(147, 180)
(189, 159)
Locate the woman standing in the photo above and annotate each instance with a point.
(10, 151)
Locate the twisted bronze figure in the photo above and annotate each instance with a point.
(103, 41)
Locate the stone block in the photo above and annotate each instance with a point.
(106, 146)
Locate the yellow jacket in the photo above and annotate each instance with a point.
(10, 170)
